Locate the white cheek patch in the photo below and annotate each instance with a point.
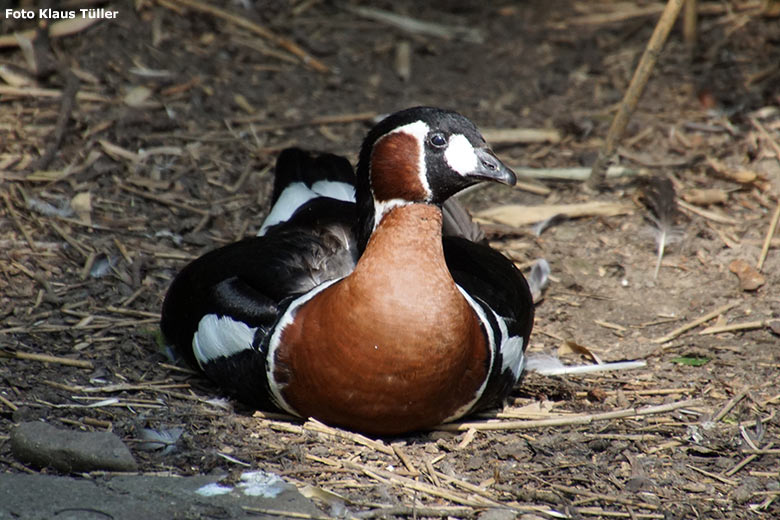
(460, 155)
(220, 337)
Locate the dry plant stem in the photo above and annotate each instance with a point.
(259, 30)
(690, 19)
(67, 104)
(163, 200)
(8, 403)
(606, 498)
(734, 326)
(49, 93)
(747, 460)
(695, 323)
(44, 358)
(730, 405)
(18, 222)
(634, 92)
(567, 420)
(769, 234)
(285, 514)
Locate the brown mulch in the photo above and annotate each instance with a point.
(162, 149)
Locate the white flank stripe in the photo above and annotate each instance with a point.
(463, 410)
(273, 344)
(220, 337)
(460, 155)
(511, 348)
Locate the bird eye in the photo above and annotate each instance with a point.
(438, 140)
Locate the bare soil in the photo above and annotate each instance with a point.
(166, 154)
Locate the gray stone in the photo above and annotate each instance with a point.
(136, 497)
(497, 514)
(45, 446)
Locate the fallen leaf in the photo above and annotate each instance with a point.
(82, 205)
(571, 346)
(691, 361)
(137, 96)
(705, 197)
(749, 278)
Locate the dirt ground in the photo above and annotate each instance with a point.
(165, 154)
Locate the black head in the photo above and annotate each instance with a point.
(421, 155)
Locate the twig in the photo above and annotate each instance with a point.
(496, 136)
(417, 511)
(747, 460)
(634, 91)
(8, 403)
(334, 119)
(690, 19)
(698, 321)
(163, 200)
(316, 426)
(45, 358)
(286, 514)
(78, 246)
(416, 26)
(67, 103)
(734, 326)
(763, 451)
(765, 134)
(18, 222)
(606, 498)
(769, 234)
(729, 405)
(713, 475)
(597, 511)
(49, 93)
(566, 420)
(572, 174)
(710, 215)
(259, 30)
(57, 29)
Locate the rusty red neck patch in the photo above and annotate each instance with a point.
(397, 169)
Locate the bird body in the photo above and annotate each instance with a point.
(359, 312)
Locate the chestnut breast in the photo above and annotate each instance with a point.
(392, 347)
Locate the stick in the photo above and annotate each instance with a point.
(67, 103)
(18, 222)
(8, 403)
(259, 30)
(695, 323)
(61, 28)
(316, 426)
(163, 200)
(769, 234)
(764, 451)
(634, 92)
(713, 475)
(572, 174)
(729, 405)
(734, 326)
(45, 358)
(496, 136)
(690, 19)
(711, 215)
(49, 93)
(566, 420)
(600, 496)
